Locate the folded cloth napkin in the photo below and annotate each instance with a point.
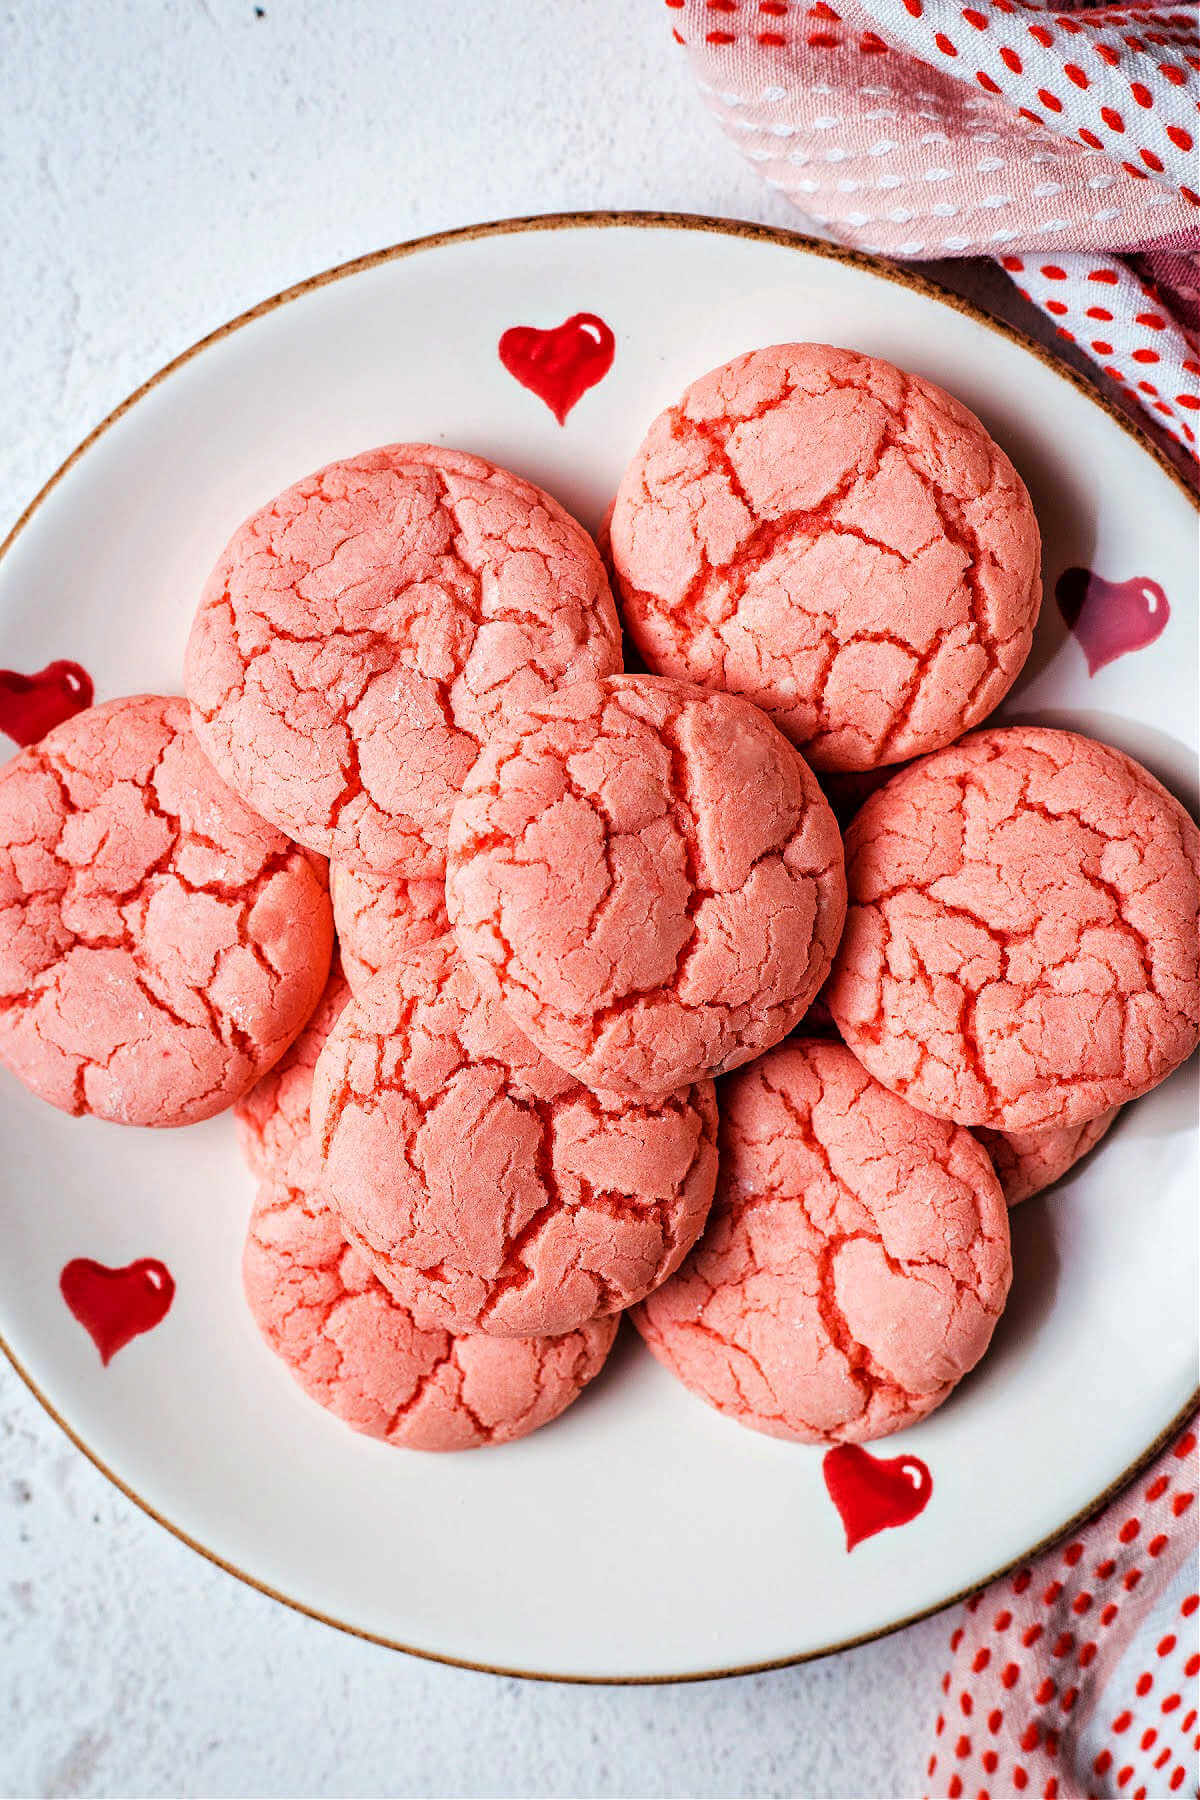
(1060, 143)
(1077, 1675)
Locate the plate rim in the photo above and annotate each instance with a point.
(602, 220)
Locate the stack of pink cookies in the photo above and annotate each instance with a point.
(566, 898)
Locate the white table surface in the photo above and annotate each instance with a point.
(165, 164)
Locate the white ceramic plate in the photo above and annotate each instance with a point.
(642, 1535)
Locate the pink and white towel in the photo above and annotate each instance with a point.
(1060, 143)
(1078, 1674)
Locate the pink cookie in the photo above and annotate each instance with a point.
(837, 540)
(160, 946)
(1021, 949)
(274, 1124)
(489, 1191)
(855, 1264)
(650, 879)
(379, 920)
(1028, 1161)
(360, 1354)
(362, 634)
(348, 1343)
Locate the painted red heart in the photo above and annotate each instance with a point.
(873, 1493)
(115, 1305)
(1110, 618)
(560, 365)
(31, 704)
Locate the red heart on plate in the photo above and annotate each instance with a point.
(1110, 618)
(31, 704)
(114, 1305)
(871, 1492)
(559, 366)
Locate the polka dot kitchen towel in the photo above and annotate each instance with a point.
(1061, 143)
(1078, 1674)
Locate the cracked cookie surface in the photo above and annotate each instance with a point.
(378, 920)
(649, 878)
(274, 1120)
(855, 1263)
(160, 944)
(837, 540)
(346, 1341)
(486, 1187)
(362, 634)
(1026, 1162)
(1021, 947)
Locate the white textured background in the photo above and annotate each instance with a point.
(163, 165)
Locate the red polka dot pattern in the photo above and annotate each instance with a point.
(1134, 338)
(1094, 80)
(1083, 1666)
(927, 128)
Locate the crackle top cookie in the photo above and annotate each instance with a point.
(378, 918)
(649, 878)
(488, 1189)
(360, 1354)
(1026, 1162)
(364, 632)
(1021, 947)
(838, 540)
(160, 944)
(349, 1343)
(855, 1264)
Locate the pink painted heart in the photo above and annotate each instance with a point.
(115, 1305)
(874, 1493)
(1110, 618)
(31, 704)
(560, 365)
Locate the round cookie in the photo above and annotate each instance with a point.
(160, 945)
(855, 1264)
(1026, 1162)
(359, 1353)
(379, 920)
(343, 1337)
(650, 879)
(362, 634)
(274, 1119)
(839, 541)
(1021, 947)
(488, 1189)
